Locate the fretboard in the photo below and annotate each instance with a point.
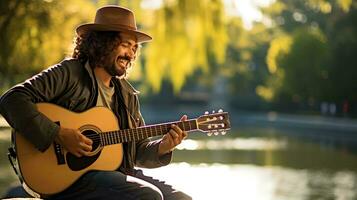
(126, 135)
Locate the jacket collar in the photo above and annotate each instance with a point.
(127, 86)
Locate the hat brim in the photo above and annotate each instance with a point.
(140, 36)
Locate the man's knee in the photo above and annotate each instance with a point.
(178, 196)
(151, 193)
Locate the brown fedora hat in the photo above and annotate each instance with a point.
(114, 18)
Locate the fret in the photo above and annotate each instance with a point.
(119, 133)
(152, 131)
(116, 138)
(157, 131)
(105, 139)
(122, 133)
(183, 126)
(161, 131)
(101, 139)
(142, 133)
(126, 135)
(110, 138)
(132, 136)
(167, 127)
(146, 133)
(149, 131)
(121, 136)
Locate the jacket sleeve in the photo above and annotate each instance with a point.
(147, 150)
(18, 106)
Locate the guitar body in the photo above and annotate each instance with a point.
(55, 169)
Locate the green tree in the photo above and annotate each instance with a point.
(317, 64)
(36, 34)
(188, 35)
(342, 73)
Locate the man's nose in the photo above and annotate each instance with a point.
(130, 54)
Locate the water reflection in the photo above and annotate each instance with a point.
(251, 182)
(234, 144)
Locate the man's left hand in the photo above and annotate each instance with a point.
(173, 138)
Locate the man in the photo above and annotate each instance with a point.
(95, 76)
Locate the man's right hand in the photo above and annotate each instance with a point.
(74, 142)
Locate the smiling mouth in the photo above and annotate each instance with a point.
(124, 62)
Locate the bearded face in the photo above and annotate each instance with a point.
(122, 57)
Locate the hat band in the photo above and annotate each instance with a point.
(122, 26)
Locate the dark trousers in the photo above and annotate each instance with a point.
(116, 185)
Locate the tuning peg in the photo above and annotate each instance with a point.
(223, 132)
(213, 111)
(206, 113)
(220, 110)
(210, 126)
(209, 133)
(216, 133)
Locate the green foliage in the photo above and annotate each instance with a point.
(305, 65)
(318, 63)
(36, 34)
(186, 33)
(342, 73)
(298, 64)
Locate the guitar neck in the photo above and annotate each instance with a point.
(127, 135)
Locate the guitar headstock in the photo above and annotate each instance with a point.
(214, 123)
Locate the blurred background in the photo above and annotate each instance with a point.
(285, 70)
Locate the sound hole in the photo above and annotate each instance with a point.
(94, 137)
(78, 163)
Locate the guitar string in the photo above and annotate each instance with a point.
(95, 137)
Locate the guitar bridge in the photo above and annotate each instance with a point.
(59, 151)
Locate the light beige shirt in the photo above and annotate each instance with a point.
(105, 95)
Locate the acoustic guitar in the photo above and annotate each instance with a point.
(54, 170)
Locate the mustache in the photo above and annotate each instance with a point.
(128, 58)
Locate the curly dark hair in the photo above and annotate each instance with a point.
(95, 46)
